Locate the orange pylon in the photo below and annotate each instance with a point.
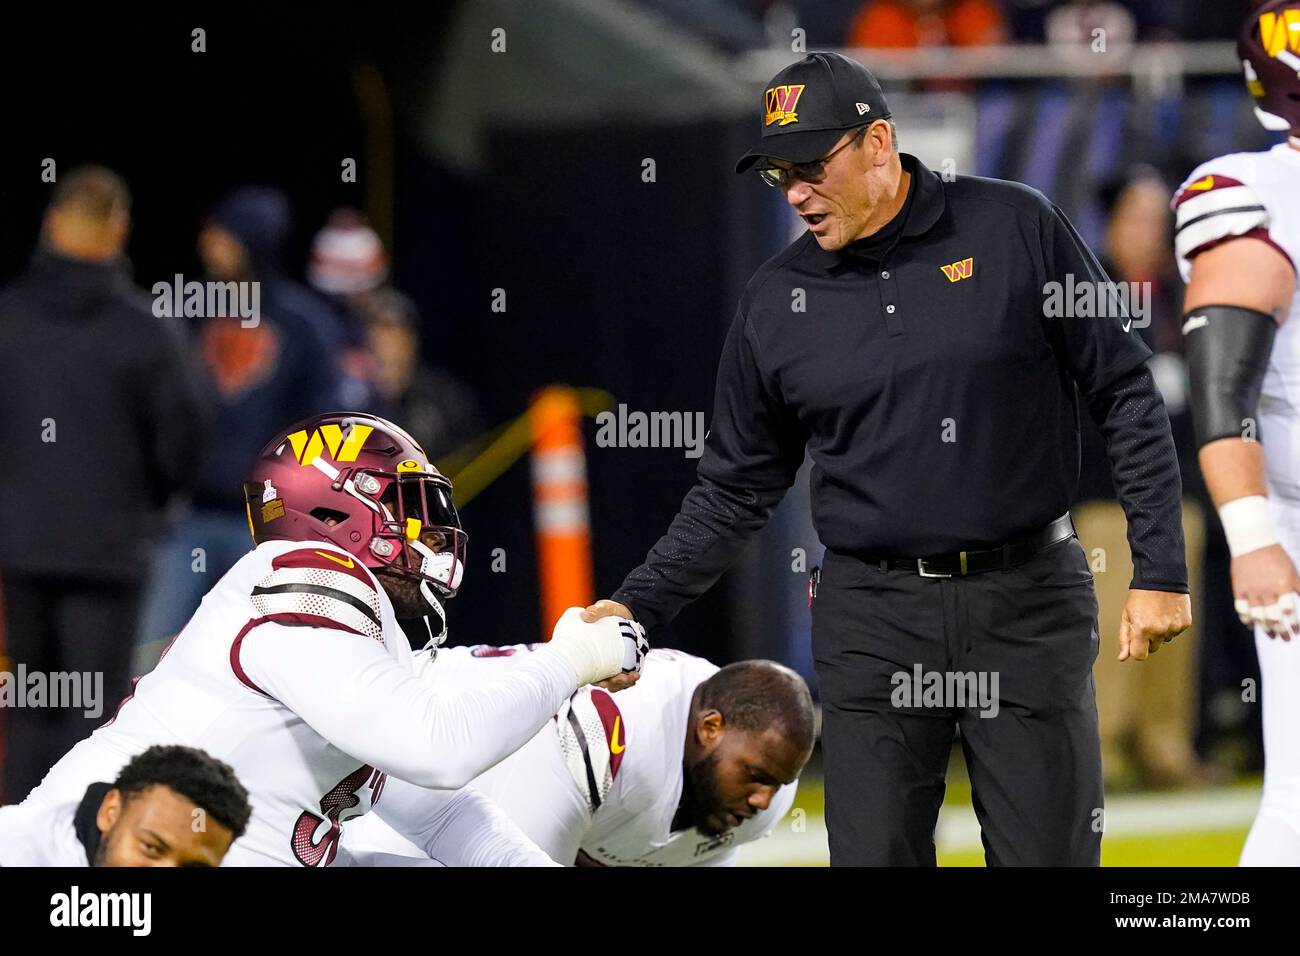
(560, 512)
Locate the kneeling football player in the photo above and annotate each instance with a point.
(679, 770)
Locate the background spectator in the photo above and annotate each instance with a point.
(350, 266)
(103, 428)
(432, 405)
(347, 263)
(257, 378)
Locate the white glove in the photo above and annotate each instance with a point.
(1278, 619)
(610, 646)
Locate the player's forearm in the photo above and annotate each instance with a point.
(460, 734)
(363, 702)
(701, 543)
(1233, 468)
(1234, 475)
(1144, 465)
(1228, 335)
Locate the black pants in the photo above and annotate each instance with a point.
(55, 625)
(1035, 766)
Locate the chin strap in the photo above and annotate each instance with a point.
(438, 627)
(435, 622)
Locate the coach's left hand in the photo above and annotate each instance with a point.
(1150, 619)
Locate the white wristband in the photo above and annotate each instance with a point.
(1247, 524)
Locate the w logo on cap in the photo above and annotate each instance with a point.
(780, 103)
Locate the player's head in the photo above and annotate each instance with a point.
(171, 806)
(750, 732)
(828, 144)
(1269, 49)
(366, 486)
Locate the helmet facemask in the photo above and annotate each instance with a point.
(417, 533)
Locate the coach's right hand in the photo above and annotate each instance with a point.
(607, 608)
(1264, 586)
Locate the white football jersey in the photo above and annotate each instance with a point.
(202, 695)
(41, 835)
(605, 776)
(1255, 195)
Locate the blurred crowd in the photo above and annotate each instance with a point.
(736, 25)
(151, 421)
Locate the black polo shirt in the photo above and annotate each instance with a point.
(936, 396)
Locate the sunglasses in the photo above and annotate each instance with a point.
(814, 172)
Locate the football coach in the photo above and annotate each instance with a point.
(908, 343)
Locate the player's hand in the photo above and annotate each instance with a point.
(609, 647)
(594, 613)
(1150, 619)
(1264, 586)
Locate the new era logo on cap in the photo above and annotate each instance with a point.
(863, 108)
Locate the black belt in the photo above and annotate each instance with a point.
(1014, 552)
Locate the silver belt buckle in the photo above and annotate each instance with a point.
(920, 568)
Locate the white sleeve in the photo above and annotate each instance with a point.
(457, 827)
(21, 839)
(357, 697)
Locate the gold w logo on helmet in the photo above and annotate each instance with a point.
(308, 448)
(1278, 31)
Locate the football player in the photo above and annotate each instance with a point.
(295, 672)
(1237, 242)
(679, 770)
(170, 806)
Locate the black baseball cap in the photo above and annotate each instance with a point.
(809, 105)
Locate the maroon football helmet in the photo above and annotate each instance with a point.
(1269, 49)
(363, 484)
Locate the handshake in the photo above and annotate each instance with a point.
(609, 647)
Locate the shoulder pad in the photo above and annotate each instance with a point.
(1214, 208)
(322, 584)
